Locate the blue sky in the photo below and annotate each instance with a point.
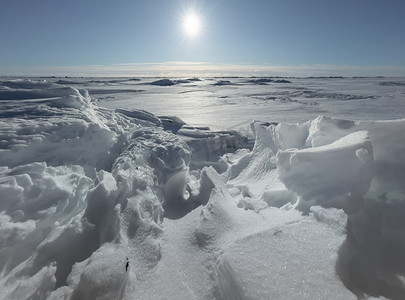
(106, 36)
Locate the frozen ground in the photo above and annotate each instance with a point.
(117, 188)
(238, 101)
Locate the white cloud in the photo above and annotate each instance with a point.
(178, 68)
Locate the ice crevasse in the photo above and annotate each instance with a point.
(310, 210)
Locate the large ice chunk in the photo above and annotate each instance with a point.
(387, 138)
(336, 175)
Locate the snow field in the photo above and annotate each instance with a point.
(310, 210)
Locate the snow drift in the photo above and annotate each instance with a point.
(310, 210)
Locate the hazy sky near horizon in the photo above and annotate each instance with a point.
(70, 33)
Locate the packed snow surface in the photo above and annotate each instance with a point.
(118, 188)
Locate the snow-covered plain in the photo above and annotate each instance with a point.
(210, 188)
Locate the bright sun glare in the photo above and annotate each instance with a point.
(191, 25)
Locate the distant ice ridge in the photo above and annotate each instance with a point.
(304, 211)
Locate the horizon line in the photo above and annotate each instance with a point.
(187, 68)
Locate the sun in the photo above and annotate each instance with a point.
(191, 25)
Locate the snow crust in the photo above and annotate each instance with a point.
(124, 204)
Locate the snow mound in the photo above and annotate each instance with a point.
(171, 123)
(392, 83)
(194, 79)
(163, 82)
(260, 81)
(137, 114)
(59, 127)
(109, 262)
(169, 82)
(222, 82)
(55, 95)
(263, 81)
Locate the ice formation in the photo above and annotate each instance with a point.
(310, 210)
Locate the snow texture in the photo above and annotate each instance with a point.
(103, 202)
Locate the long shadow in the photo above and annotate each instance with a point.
(372, 258)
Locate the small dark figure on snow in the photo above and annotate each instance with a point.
(127, 265)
